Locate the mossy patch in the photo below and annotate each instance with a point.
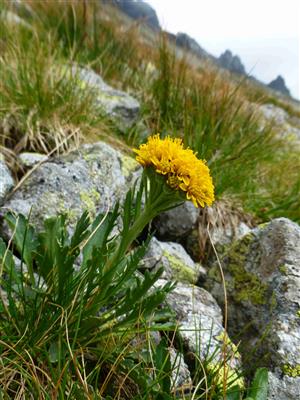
(246, 285)
(182, 272)
(283, 269)
(214, 274)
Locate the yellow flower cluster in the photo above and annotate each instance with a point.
(183, 170)
(231, 376)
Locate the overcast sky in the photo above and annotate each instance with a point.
(264, 33)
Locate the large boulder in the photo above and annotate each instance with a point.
(28, 160)
(218, 226)
(181, 380)
(202, 246)
(6, 180)
(285, 126)
(177, 223)
(262, 273)
(274, 113)
(93, 177)
(12, 18)
(283, 387)
(116, 104)
(200, 331)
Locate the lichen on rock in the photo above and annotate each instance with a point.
(180, 271)
(90, 199)
(88, 178)
(263, 287)
(177, 264)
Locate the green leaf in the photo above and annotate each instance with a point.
(100, 231)
(163, 365)
(7, 260)
(164, 396)
(81, 230)
(52, 251)
(234, 393)
(48, 246)
(259, 387)
(24, 239)
(127, 211)
(54, 352)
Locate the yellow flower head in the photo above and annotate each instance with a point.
(182, 169)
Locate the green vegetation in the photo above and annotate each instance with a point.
(77, 315)
(292, 371)
(248, 161)
(68, 313)
(42, 110)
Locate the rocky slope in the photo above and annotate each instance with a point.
(143, 12)
(261, 268)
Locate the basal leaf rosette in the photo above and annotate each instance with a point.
(187, 176)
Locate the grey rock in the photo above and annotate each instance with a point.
(6, 180)
(218, 226)
(14, 19)
(199, 321)
(232, 63)
(93, 177)
(118, 105)
(181, 376)
(223, 236)
(262, 273)
(29, 160)
(22, 9)
(177, 264)
(285, 388)
(4, 297)
(285, 127)
(139, 10)
(153, 254)
(143, 342)
(176, 223)
(279, 85)
(272, 112)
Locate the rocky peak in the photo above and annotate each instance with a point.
(231, 62)
(139, 10)
(279, 85)
(186, 41)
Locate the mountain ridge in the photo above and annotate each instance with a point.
(142, 11)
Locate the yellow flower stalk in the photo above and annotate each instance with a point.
(171, 175)
(183, 171)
